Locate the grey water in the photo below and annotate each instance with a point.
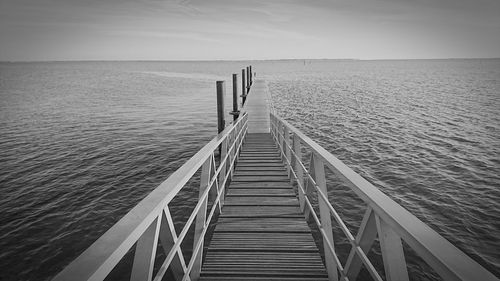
(82, 142)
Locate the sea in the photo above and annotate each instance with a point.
(81, 143)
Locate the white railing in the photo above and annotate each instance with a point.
(383, 218)
(150, 221)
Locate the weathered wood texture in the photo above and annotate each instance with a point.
(257, 106)
(261, 233)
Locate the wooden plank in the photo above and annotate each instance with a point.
(260, 191)
(244, 158)
(276, 225)
(259, 160)
(252, 154)
(274, 185)
(255, 146)
(278, 173)
(302, 239)
(260, 163)
(256, 151)
(261, 201)
(261, 211)
(256, 278)
(265, 178)
(261, 233)
(259, 168)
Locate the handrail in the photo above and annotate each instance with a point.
(384, 217)
(150, 220)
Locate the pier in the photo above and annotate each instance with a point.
(261, 234)
(263, 183)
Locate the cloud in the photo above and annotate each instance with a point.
(296, 28)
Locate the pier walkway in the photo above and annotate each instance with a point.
(261, 233)
(262, 184)
(258, 107)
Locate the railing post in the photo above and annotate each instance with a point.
(245, 127)
(326, 219)
(392, 252)
(271, 122)
(276, 137)
(223, 171)
(281, 134)
(239, 138)
(276, 126)
(309, 186)
(221, 92)
(232, 152)
(273, 126)
(297, 149)
(206, 172)
(286, 144)
(145, 253)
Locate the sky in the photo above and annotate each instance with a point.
(41, 30)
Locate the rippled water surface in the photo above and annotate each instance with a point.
(82, 143)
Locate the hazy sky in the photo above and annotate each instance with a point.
(249, 29)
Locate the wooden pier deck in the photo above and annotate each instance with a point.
(261, 233)
(257, 107)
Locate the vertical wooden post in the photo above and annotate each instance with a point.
(206, 174)
(281, 134)
(251, 75)
(243, 87)
(392, 252)
(145, 253)
(221, 92)
(222, 175)
(326, 219)
(235, 111)
(276, 130)
(230, 155)
(298, 169)
(248, 80)
(286, 144)
(309, 186)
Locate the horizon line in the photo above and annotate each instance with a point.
(242, 60)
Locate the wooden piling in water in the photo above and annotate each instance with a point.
(251, 74)
(221, 122)
(248, 79)
(235, 111)
(243, 87)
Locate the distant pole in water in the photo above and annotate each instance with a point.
(248, 79)
(221, 92)
(243, 87)
(251, 74)
(235, 111)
